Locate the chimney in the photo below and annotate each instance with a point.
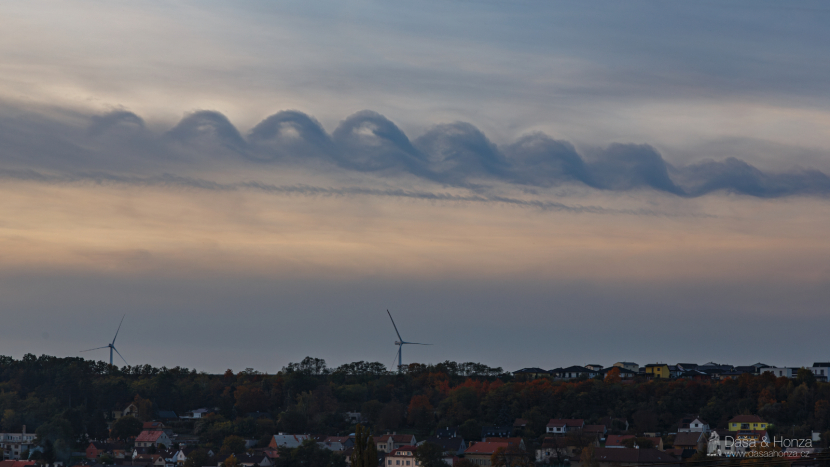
(24, 429)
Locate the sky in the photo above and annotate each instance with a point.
(520, 184)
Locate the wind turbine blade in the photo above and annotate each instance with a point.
(119, 328)
(414, 343)
(96, 348)
(393, 324)
(119, 354)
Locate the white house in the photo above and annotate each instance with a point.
(821, 373)
(14, 444)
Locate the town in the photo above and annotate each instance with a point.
(67, 413)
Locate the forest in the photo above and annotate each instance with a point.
(69, 400)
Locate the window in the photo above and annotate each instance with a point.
(390, 462)
(407, 462)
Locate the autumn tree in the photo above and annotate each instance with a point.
(588, 457)
(420, 413)
(196, 458)
(613, 375)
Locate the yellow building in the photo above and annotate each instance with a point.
(658, 370)
(746, 422)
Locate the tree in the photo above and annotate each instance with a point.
(197, 458)
(233, 445)
(613, 375)
(231, 461)
(420, 412)
(365, 452)
(430, 455)
(309, 454)
(126, 427)
(587, 458)
(805, 376)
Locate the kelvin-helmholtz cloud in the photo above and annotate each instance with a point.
(452, 154)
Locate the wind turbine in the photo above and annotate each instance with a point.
(400, 343)
(111, 345)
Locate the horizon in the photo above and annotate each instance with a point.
(526, 185)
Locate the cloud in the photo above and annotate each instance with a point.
(452, 155)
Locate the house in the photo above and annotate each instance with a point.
(454, 446)
(594, 367)
(198, 413)
(692, 423)
(152, 438)
(167, 415)
(746, 422)
(496, 431)
(389, 442)
(531, 373)
(336, 443)
(821, 373)
(405, 457)
(572, 372)
(658, 370)
(596, 431)
(691, 440)
(509, 441)
(97, 448)
(560, 426)
(150, 460)
(288, 441)
(686, 366)
(14, 444)
(447, 432)
(480, 453)
(625, 373)
(130, 409)
(630, 366)
(253, 460)
(695, 375)
(520, 423)
(158, 426)
(618, 441)
(181, 455)
(556, 450)
(610, 457)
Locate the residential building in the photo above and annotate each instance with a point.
(253, 460)
(198, 413)
(658, 370)
(820, 372)
(129, 409)
(509, 441)
(288, 441)
(625, 373)
(561, 426)
(531, 373)
(597, 431)
(336, 443)
(687, 366)
(691, 440)
(152, 438)
(389, 442)
(496, 431)
(572, 372)
(480, 453)
(447, 432)
(618, 441)
(630, 366)
(98, 448)
(15, 444)
(158, 426)
(692, 423)
(404, 456)
(594, 367)
(746, 422)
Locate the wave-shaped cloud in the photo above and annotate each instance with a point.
(454, 154)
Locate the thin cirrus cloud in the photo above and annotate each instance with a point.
(452, 154)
